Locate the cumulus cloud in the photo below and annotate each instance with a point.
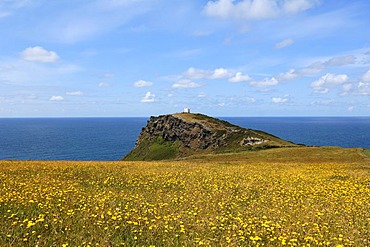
(185, 83)
(239, 77)
(219, 73)
(255, 9)
(327, 81)
(280, 100)
(366, 76)
(39, 54)
(284, 43)
(193, 73)
(56, 98)
(148, 98)
(142, 83)
(265, 83)
(76, 93)
(289, 75)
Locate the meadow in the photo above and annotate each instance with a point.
(296, 197)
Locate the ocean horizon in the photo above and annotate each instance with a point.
(111, 138)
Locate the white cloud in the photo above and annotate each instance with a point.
(186, 83)
(366, 76)
(39, 54)
(239, 77)
(255, 9)
(363, 88)
(327, 81)
(279, 100)
(148, 98)
(142, 83)
(289, 75)
(193, 73)
(103, 84)
(350, 108)
(56, 98)
(76, 93)
(284, 43)
(265, 83)
(219, 73)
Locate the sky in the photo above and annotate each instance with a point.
(137, 58)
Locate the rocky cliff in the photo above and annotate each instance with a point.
(184, 134)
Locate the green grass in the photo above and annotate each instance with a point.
(154, 150)
(367, 152)
(291, 155)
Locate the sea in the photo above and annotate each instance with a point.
(110, 139)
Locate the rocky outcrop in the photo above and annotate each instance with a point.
(190, 134)
(184, 134)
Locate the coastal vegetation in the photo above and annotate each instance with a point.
(301, 196)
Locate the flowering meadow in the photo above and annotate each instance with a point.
(185, 203)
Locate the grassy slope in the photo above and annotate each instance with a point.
(289, 155)
(157, 150)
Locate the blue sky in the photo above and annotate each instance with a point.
(80, 58)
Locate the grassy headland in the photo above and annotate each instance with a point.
(182, 135)
(277, 197)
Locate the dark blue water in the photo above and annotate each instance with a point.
(68, 138)
(112, 138)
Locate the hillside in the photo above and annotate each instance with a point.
(185, 134)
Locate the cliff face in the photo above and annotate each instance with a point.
(189, 134)
(183, 134)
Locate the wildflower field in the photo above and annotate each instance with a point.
(312, 201)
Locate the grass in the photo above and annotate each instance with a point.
(156, 150)
(367, 152)
(246, 199)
